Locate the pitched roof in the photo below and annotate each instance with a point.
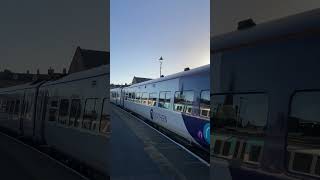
(84, 59)
(92, 58)
(139, 79)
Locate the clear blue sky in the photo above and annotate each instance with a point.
(144, 30)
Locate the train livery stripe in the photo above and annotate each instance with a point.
(199, 129)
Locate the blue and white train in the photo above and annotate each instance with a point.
(179, 103)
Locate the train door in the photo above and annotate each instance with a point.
(39, 120)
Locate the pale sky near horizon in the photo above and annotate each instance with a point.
(144, 30)
(225, 14)
(42, 33)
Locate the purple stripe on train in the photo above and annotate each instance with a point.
(199, 129)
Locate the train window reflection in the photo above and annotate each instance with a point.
(303, 147)
(90, 114)
(130, 96)
(63, 111)
(164, 100)
(75, 112)
(152, 99)
(144, 98)
(183, 101)
(205, 104)
(239, 122)
(53, 109)
(137, 98)
(126, 95)
(133, 96)
(105, 125)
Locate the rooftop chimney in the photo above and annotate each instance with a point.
(186, 69)
(246, 24)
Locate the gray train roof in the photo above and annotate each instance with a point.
(98, 71)
(71, 77)
(205, 68)
(308, 22)
(20, 87)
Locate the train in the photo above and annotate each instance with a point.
(70, 115)
(265, 87)
(179, 103)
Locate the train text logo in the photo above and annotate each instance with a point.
(157, 117)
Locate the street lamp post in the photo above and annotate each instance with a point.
(160, 60)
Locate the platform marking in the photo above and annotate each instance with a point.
(167, 137)
(181, 146)
(164, 164)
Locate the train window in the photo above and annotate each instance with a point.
(63, 111)
(205, 104)
(133, 96)
(138, 100)
(183, 101)
(130, 96)
(105, 125)
(127, 96)
(17, 108)
(75, 112)
(236, 116)
(90, 113)
(164, 100)
(303, 140)
(30, 103)
(144, 98)
(53, 109)
(152, 99)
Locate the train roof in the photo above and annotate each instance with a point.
(303, 23)
(94, 72)
(29, 85)
(198, 70)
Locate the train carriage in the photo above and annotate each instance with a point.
(77, 119)
(17, 108)
(265, 83)
(70, 115)
(179, 103)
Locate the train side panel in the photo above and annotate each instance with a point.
(77, 119)
(180, 116)
(271, 73)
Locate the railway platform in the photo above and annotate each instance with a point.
(141, 152)
(20, 161)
